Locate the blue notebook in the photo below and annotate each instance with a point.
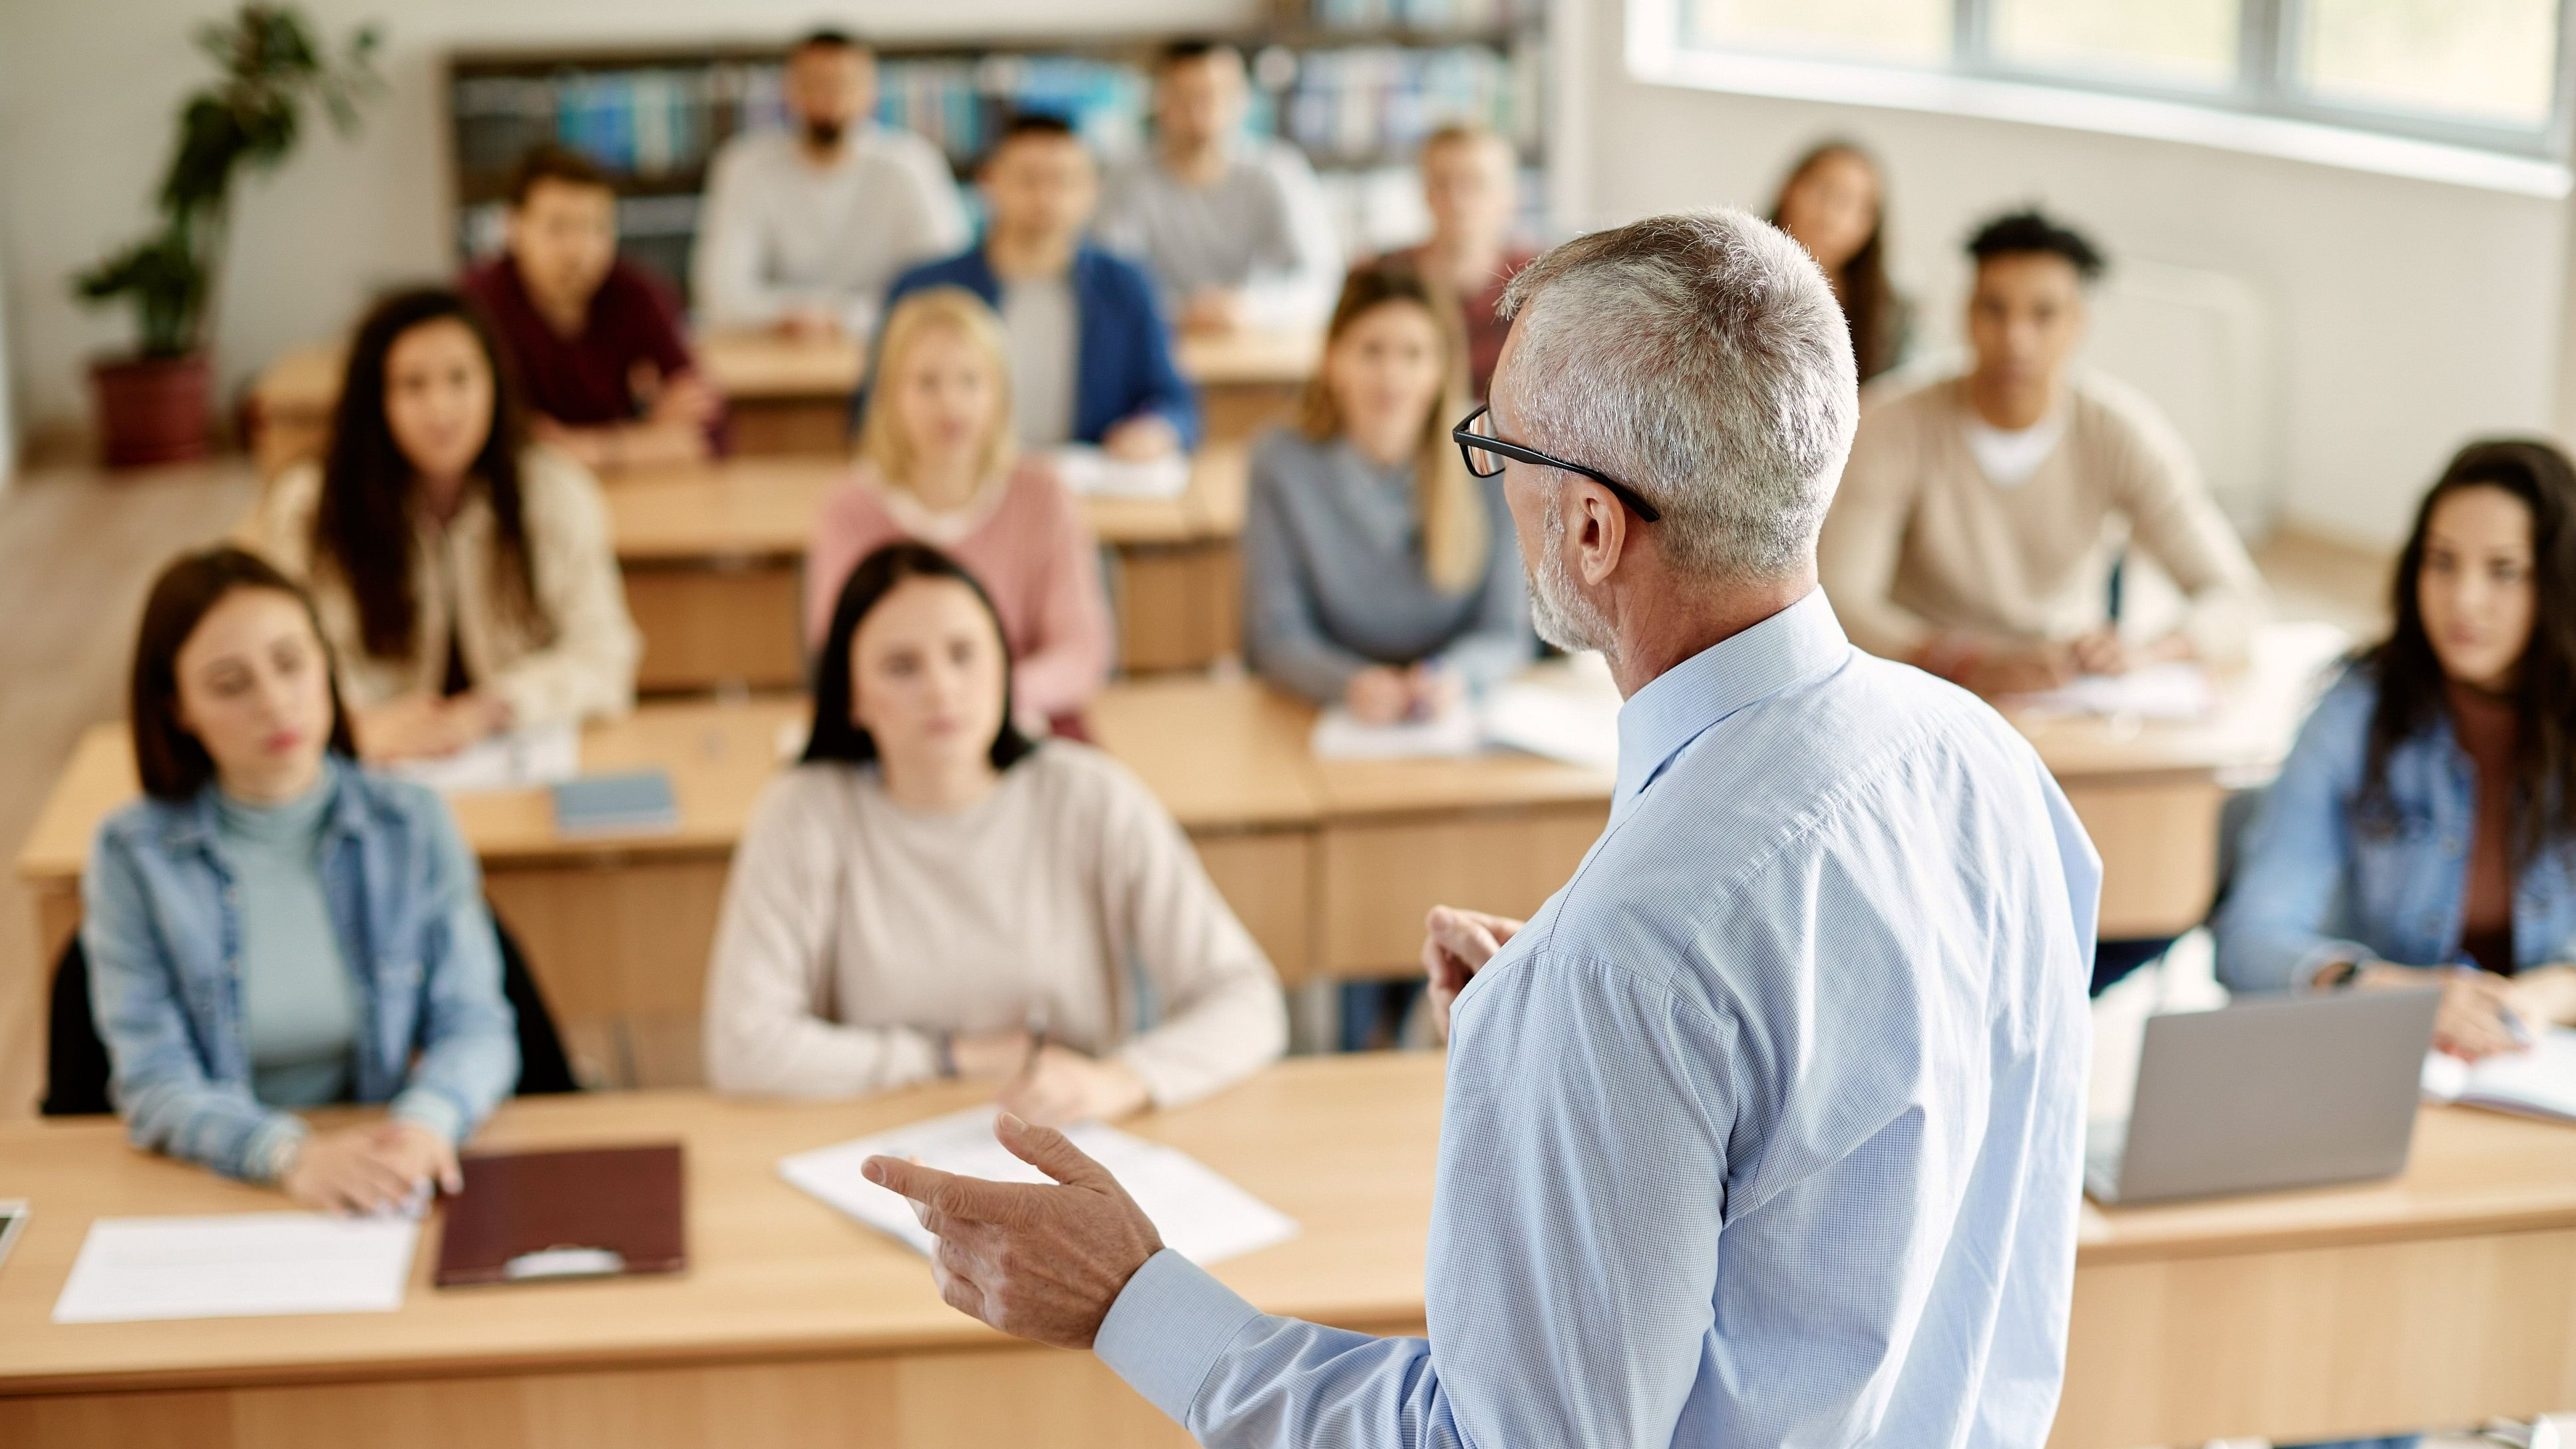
(636, 802)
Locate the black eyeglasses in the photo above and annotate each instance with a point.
(1485, 454)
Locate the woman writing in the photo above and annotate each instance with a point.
(466, 580)
(931, 894)
(1377, 573)
(271, 928)
(936, 466)
(2423, 829)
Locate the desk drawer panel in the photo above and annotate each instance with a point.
(706, 628)
(1378, 878)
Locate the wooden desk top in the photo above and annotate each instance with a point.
(718, 754)
(1345, 1145)
(743, 508)
(1217, 754)
(1250, 358)
(2258, 715)
(772, 366)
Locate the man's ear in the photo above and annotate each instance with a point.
(1601, 534)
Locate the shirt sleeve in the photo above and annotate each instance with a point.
(1856, 555)
(2173, 517)
(469, 1042)
(1282, 638)
(765, 1032)
(1161, 390)
(1304, 274)
(725, 268)
(1071, 660)
(587, 670)
(1221, 1016)
(2274, 930)
(1569, 1288)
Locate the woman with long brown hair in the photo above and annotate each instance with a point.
(1377, 573)
(1835, 204)
(466, 579)
(2423, 830)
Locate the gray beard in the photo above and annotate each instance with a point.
(1563, 617)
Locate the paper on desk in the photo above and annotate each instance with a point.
(2175, 690)
(244, 1265)
(1576, 724)
(546, 755)
(1339, 735)
(1200, 1215)
(2538, 1081)
(1089, 472)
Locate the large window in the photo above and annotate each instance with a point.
(2483, 73)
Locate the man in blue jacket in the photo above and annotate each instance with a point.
(1091, 358)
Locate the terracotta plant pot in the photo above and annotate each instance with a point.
(154, 409)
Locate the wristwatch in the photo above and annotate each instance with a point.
(2336, 976)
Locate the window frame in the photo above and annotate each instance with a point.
(2265, 84)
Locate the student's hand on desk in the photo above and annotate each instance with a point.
(810, 323)
(1062, 1086)
(1041, 1262)
(2103, 652)
(2025, 669)
(1141, 439)
(989, 1058)
(2544, 995)
(375, 1168)
(1456, 945)
(1436, 691)
(1379, 695)
(423, 726)
(1214, 310)
(686, 398)
(2470, 1023)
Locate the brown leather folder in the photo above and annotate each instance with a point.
(590, 1213)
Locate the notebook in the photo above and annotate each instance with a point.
(2538, 1081)
(588, 1213)
(636, 802)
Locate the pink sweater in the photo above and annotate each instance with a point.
(1031, 553)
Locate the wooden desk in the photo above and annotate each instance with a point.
(618, 926)
(2438, 1298)
(793, 1324)
(1248, 380)
(713, 556)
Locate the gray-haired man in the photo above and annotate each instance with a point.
(1766, 1129)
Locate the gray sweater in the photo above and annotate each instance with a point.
(1333, 579)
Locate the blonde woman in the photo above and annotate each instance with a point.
(1377, 573)
(936, 466)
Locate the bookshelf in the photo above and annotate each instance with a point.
(1355, 83)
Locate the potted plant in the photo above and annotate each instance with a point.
(156, 405)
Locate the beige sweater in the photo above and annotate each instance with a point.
(574, 660)
(1920, 541)
(855, 933)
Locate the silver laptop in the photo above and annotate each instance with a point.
(2269, 1093)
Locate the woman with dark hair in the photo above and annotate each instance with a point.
(271, 928)
(1835, 205)
(466, 579)
(2423, 829)
(930, 893)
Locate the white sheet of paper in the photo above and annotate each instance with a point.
(548, 755)
(2175, 690)
(2539, 1081)
(1200, 1215)
(1560, 712)
(1088, 472)
(244, 1265)
(1339, 735)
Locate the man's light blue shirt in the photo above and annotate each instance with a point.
(1765, 1130)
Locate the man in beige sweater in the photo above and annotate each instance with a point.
(1980, 516)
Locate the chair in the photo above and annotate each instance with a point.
(77, 1070)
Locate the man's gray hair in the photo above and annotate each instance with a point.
(1699, 358)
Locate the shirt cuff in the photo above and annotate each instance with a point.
(273, 1147)
(431, 1109)
(1168, 1328)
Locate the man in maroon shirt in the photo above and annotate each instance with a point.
(1471, 185)
(595, 341)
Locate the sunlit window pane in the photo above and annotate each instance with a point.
(1907, 30)
(2185, 42)
(2486, 60)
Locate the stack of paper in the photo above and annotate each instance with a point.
(1577, 725)
(1200, 1215)
(1089, 472)
(2171, 691)
(2538, 1081)
(1340, 735)
(239, 1266)
(513, 761)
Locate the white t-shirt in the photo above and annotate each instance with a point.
(1043, 326)
(780, 233)
(2009, 456)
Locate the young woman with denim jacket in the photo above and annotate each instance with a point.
(2423, 828)
(272, 928)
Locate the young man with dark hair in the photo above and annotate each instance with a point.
(1981, 514)
(1091, 359)
(595, 342)
(804, 227)
(1233, 230)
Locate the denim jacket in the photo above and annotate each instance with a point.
(2315, 885)
(436, 1037)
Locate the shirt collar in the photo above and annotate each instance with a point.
(1803, 641)
(192, 823)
